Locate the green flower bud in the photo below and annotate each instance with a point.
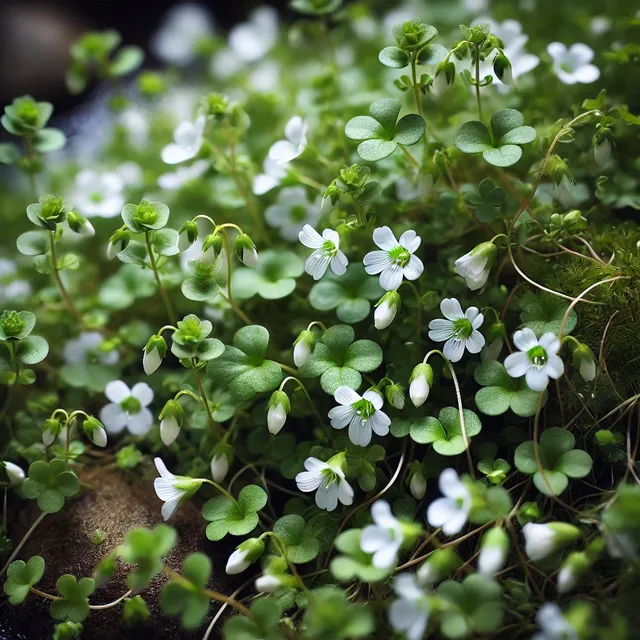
(303, 347)
(188, 234)
(95, 431)
(496, 330)
(151, 83)
(52, 209)
(584, 361)
(246, 553)
(502, 69)
(12, 324)
(572, 570)
(216, 106)
(80, 225)
(557, 168)
(279, 407)
(50, 431)
(145, 215)
(118, 242)
(246, 250)
(171, 420)
(412, 33)
(395, 395)
(448, 70)
(213, 242)
(416, 480)
(529, 512)
(351, 179)
(493, 551)
(330, 198)
(574, 221)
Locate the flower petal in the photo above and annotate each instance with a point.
(517, 364)
(140, 423)
(525, 339)
(451, 309)
(391, 277)
(376, 261)
(384, 238)
(537, 378)
(283, 151)
(414, 268)
(113, 418)
(310, 237)
(117, 391)
(410, 240)
(143, 393)
(440, 330)
(453, 349)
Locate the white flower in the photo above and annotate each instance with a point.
(249, 256)
(267, 583)
(599, 25)
(301, 353)
(128, 408)
(450, 513)
(327, 252)
(131, 173)
(493, 551)
(540, 540)
(361, 413)
(151, 361)
(169, 429)
(386, 310)
(273, 174)
(567, 579)
(553, 625)
(536, 360)
(219, 467)
(98, 194)
(182, 27)
(409, 614)
(563, 191)
(295, 132)
(572, 65)
(265, 77)
(276, 417)
(396, 260)
(86, 348)
(252, 40)
(459, 331)
(187, 140)
(237, 562)
(98, 436)
(173, 490)
(327, 480)
(291, 212)
(15, 474)
(174, 180)
(420, 384)
(475, 266)
(384, 538)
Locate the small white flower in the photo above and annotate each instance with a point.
(131, 173)
(86, 348)
(386, 310)
(420, 384)
(540, 540)
(396, 259)
(493, 552)
(273, 174)
(361, 413)
(249, 257)
(151, 361)
(327, 480)
(291, 212)
(536, 360)
(182, 27)
(219, 467)
(253, 39)
(327, 252)
(246, 553)
(450, 512)
(128, 408)
(553, 625)
(98, 194)
(301, 353)
(572, 65)
(135, 122)
(15, 474)
(459, 331)
(295, 132)
(174, 180)
(187, 140)
(563, 191)
(599, 25)
(99, 436)
(475, 266)
(409, 614)
(276, 417)
(268, 583)
(173, 490)
(169, 429)
(384, 538)
(567, 579)
(588, 369)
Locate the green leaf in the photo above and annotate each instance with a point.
(252, 340)
(21, 577)
(364, 128)
(543, 313)
(32, 350)
(503, 156)
(364, 356)
(473, 137)
(427, 430)
(432, 54)
(556, 441)
(9, 153)
(454, 443)
(74, 605)
(33, 243)
(575, 464)
(393, 57)
(410, 129)
(386, 112)
(505, 120)
(374, 150)
(338, 377)
(128, 59)
(165, 242)
(124, 287)
(553, 483)
(302, 545)
(252, 498)
(272, 279)
(199, 289)
(48, 140)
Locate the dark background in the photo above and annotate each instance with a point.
(35, 37)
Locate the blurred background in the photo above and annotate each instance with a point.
(35, 37)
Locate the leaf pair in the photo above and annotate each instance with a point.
(445, 432)
(499, 146)
(50, 483)
(381, 132)
(237, 518)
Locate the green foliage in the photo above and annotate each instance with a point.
(331, 616)
(559, 461)
(185, 597)
(74, 602)
(301, 544)
(338, 360)
(354, 564)
(237, 518)
(145, 548)
(543, 312)
(272, 279)
(487, 201)
(263, 624)
(50, 483)
(500, 146)
(135, 611)
(445, 432)
(21, 577)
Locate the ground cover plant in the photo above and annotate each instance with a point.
(361, 287)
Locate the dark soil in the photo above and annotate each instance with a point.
(115, 506)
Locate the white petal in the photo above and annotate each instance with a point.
(117, 391)
(384, 238)
(295, 130)
(283, 151)
(310, 237)
(451, 309)
(162, 469)
(391, 277)
(449, 483)
(555, 367)
(373, 538)
(359, 432)
(581, 52)
(308, 481)
(517, 364)
(414, 269)
(475, 342)
(143, 393)
(263, 183)
(440, 511)
(550, 343)
(374, 398)
(346, 395)
(339, 263)
(165, 490)
(386, 557)
(410, 240)
(169, 430)
(174, 154)
(316, 264)
(525, 339)
(376, 261)
(587, 74)
(140, 423)
(380, 423)
(455, 523)
(537, 379)
(440, 330)
(345, 492)
(556, 50)
(113, 418)
(453, 350)
(382, 515)
(169, 508)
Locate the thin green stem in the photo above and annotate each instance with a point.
(227, 250)
(314, 409)
(410, 156)
(416, 88)
(14, 386)
(173, 319)
(478, 102)
(287, 368)
(215, 427)
(22, 542)
(362, 216)
(221, 489)
(283, 551)
(56, 276)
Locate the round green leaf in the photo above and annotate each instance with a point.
(521, 135)
(493, 401)
(505, 120)
(524, 458)
(575, 464)
(374, 150)
(32, 349)
(364, 128)
(352, 311)
(427, 430)
(552, 484)
(473, 137)
(363, 355)
(393, 57)
(339, 376)
(410, 129)
(505, 156)
(33, 243)
(199, 290)
(51, 501)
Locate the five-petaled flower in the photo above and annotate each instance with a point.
(459, 331)
(409, 613)
(536, 360)
(327, 252)
(361, 413)
(128, 408)
(384, 538)
(396, 259)
(572, 65)
(327, 480)
(451, 511)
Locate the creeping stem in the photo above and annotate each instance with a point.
(22, 542)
